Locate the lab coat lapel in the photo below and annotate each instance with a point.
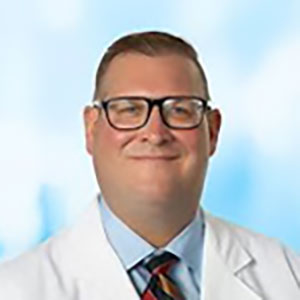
(95, 268)
(85, 256)
(223, 258)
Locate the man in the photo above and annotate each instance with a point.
(150, 132)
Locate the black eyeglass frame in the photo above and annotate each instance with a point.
(103, 104)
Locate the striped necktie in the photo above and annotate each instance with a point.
(161, 286)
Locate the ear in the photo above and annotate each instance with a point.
(90, 116)
(214, 124)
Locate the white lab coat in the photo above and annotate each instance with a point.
(79, 264)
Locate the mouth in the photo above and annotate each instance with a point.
(155, 157)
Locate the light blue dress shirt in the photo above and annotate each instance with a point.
(131, 249)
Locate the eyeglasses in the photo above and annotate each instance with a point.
(131, 112)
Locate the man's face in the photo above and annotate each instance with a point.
(154, 164)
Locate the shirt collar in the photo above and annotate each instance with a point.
(131, 248)
(188, 244)
(128, 245)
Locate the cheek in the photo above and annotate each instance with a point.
(107, 151)
(195, 143)
(109, 141)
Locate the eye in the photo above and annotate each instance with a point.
(180, 110)
(126, 107)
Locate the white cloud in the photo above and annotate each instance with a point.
(60, 14)
(20, 179)
(270, 102)
(201, 18)
(29, 159)
(65, 166)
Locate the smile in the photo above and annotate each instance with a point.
(154, 157)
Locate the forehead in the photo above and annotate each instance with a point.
(153, 76)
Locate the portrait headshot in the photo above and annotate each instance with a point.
(150, 150)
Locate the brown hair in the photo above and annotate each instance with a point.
(151, 43)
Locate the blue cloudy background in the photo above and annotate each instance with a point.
(48, 57)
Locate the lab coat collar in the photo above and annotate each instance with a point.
(90, 261)
(85, 256)
(224, 258)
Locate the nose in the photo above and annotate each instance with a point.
(155, 131)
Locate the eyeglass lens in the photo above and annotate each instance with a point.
(133, 113)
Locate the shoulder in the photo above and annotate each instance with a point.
(268, 254)
(49, 270)
(40, 267)
(249, 239)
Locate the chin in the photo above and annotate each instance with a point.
(155, 191)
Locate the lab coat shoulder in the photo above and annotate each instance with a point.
(76, 264)
(261, 264)
(80, 264)
(36, 273)
(294, 262)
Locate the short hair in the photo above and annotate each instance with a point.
(150, 43)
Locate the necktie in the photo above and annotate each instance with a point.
(161, 286)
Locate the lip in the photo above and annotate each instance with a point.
(154, 157)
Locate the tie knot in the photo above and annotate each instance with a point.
(161, 264)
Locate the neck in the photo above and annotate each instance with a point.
(157, 225)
